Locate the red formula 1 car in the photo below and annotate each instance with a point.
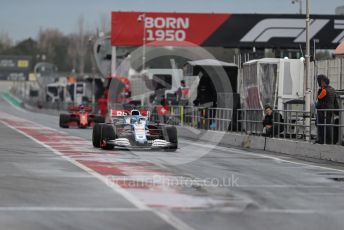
(80, 116)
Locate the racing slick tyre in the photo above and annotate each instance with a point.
(107, 132)
(96, 135)
(172, 137)
(64, 119)
(99, 119)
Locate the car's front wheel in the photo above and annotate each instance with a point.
(107, 133)
(64, 119)
(96, 135)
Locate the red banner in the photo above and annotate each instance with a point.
(172, 29)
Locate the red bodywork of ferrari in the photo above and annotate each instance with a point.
(80, 116)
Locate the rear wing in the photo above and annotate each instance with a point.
(119, 113)
(124, 113)
(75, 108)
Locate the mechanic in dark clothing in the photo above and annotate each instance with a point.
(326, 100)
(206, 93)
(271, 122)
(207, 99)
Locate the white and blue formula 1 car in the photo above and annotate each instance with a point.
(133, 130)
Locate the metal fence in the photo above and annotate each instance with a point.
(330, 124)
(218, 119)
(327, 126)
(288, 124)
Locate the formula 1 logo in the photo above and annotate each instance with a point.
(339, 25)
(284, 28)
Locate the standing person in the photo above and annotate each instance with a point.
(326, 101)
(102, 105)
(182, 94)
(207, 99)
(271, 122)
(163, 110)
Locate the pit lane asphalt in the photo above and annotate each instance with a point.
(272, 191)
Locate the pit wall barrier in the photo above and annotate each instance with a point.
(333, 153)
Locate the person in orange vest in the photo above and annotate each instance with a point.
(326, 102)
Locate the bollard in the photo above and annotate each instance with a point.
(181, 115)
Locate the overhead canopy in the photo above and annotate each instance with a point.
(221, 73)
(211, 62)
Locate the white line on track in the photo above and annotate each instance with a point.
(115, 187)
(260, 155)
(167, 217)
(68, 209)
(275, 211)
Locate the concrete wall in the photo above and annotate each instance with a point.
(296, 148)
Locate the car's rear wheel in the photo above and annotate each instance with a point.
(64, 119)
(107, 133)
(96, 135)
(171, 136)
